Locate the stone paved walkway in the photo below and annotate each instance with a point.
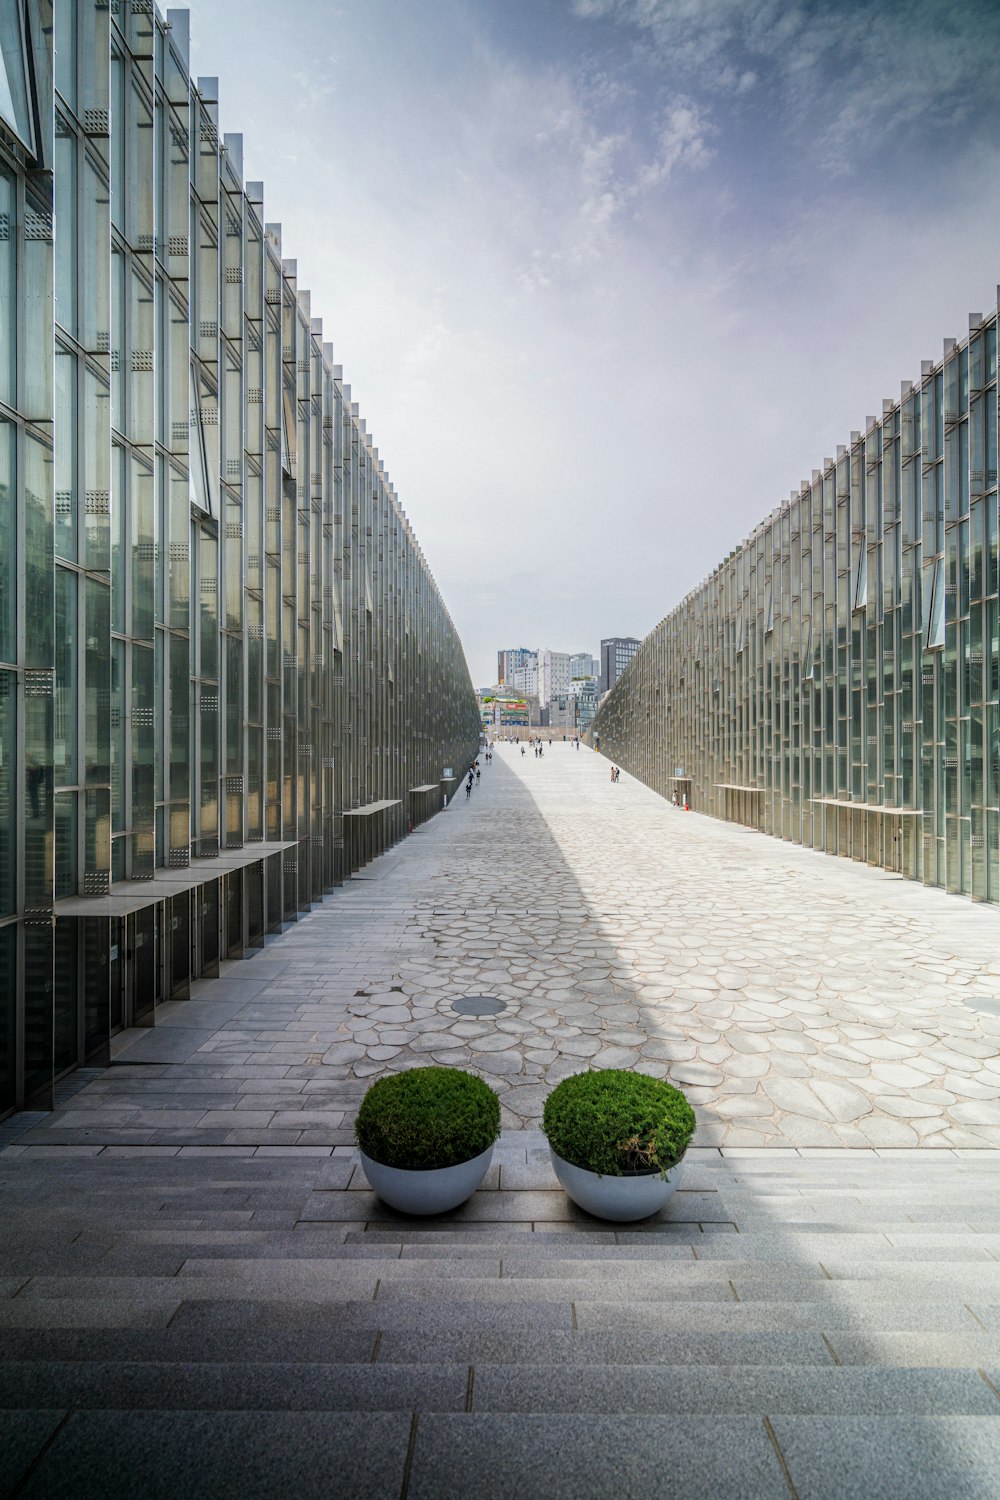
(201, 1296)
(800, 1000)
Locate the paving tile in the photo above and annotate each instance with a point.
(502, 1457)
(153, 1455)
(23, 1435)
(919, 1458)
(237, 1385)
(679, 1390)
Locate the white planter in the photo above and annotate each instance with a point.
(427, 1191)
(621, 1199)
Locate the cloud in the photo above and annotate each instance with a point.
(847, 77)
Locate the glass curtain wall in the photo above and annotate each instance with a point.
(836, 681)
(221, 650)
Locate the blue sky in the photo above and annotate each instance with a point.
(610, 277)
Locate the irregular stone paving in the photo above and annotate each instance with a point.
(799, 999)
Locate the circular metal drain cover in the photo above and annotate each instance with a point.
(478, 1005)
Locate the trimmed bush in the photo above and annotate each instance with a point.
(427, 1118)
(614, 1122)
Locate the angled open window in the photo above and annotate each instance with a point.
(16, 106)
(289, 437)
(807, 638)
(204, 446)
(861, 579)
(933, 603)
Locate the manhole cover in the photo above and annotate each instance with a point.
(478, 1005)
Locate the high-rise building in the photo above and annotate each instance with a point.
(582, 664)
(509, 662)
(836, 681)
(227, 677)
(524, 678)
(553, 675)
(616, 653)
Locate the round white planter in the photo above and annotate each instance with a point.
(621, 1199)
(427, 1191)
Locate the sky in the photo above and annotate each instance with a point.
(609, 278)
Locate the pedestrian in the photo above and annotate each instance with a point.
(612, 773)
(618, 773)
(477, 775)
(522, 749)
(468, 789)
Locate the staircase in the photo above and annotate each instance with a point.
(799, 1324)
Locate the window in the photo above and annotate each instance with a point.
(15, 89)
(934, 605)
(861, 579)
(204, 454)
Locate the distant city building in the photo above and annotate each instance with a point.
(616, 653)
(585, 691)
(560, 713)
(553, 675)
(582, 664)
(500, 710)
(524, 679)
(509, 662)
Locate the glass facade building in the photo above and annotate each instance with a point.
(227, 677)
(835, 681)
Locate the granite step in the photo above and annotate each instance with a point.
(535, 1389)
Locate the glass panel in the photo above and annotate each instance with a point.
(66, 1046)
(117, 727)
(66, 447)
(65, 845)
(95, 197)
(8, 575)
(95, 434)
(8, 288)
(35, 395)
(180, 726)
(37, 1011)
(98, 724)
(66, 212)
(15, 95)
(8, 1017)
(142, 539)
(8, 822)
(142, 761)
(97, 831)
(66, 680)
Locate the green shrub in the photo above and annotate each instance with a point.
(426, 1118)
(614, 1122)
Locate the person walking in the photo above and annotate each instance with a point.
(478, 773)
(468, 787)
(522, 749)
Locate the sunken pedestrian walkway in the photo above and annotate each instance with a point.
(200, 1295)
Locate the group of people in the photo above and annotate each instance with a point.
(475, 770)
(616, 773)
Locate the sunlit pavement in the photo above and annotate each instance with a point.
(200, 1295)
(799, 999)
